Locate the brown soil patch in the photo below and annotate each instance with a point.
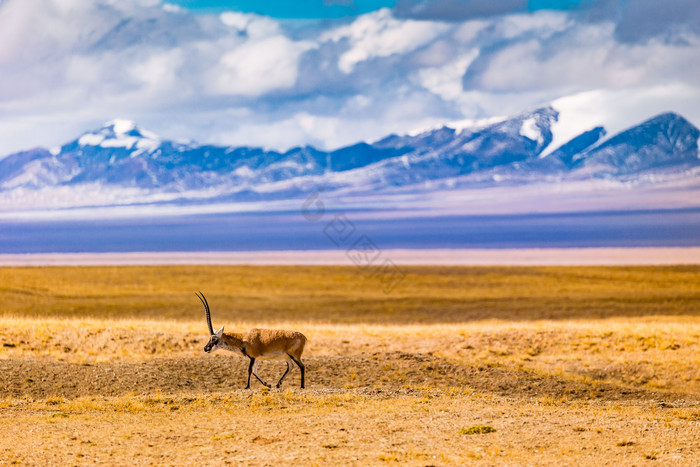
(393, 371)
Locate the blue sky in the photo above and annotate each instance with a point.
(289, 9)
(329, 73)
(316, 9)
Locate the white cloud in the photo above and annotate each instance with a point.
(171, 8)
(258, 66)
(584, 56)
(278, 134)
(323, 131)
(544, 24)
(159, 70)
(67, 66)
(38, 29)
(266, 61)
(379, 34)
(255, 26)
(446, 80)
(468, 32)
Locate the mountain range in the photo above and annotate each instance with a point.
(122, 164)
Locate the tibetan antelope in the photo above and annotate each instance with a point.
(258, 344)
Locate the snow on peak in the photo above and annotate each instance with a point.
(474, 124)
(120, 133)
(91, 139)
(531, 130)
(120, 127)
(459, 125)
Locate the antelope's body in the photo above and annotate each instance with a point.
(259, 344)
(266, 344)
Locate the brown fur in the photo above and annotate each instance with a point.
(259, 344)
(263, 344)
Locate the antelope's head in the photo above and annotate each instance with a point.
(215, 339)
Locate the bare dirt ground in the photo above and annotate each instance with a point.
(206, 375)
(456, 366)
(371, 399)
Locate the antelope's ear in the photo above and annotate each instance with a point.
(219, 332)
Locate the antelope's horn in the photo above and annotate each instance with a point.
(206, 310)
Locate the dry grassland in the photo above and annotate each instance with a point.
(492, 366)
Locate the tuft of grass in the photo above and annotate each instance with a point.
(477, 430)
(55, 400)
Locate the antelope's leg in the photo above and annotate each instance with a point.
(252, 369)
(301, 367)
(289, 367)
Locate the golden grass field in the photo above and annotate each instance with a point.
(455, 366)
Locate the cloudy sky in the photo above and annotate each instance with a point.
(332, 72)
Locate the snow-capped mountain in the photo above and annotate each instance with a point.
(135, 166)
(667, 141)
